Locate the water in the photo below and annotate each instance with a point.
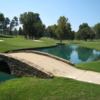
(5, 76)
(73, 53)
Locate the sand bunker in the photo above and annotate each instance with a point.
(37, 40)
(1, 40)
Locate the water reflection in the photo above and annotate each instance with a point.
(59, 51)
(73, 53)
(84, 53)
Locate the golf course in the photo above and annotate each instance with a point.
(50, 50)
(29, 88)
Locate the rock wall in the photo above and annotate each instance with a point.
(19, 68)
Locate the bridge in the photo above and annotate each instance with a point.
(46, 65)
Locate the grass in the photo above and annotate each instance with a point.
(48, 89)
(93, 66)
(88, 44)
(21, 42)
(29, 88)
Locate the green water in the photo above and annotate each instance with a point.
(73, 53)
(5, 76)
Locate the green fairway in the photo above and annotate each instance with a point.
(48, 89)
(21, 42)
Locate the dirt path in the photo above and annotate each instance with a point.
(56, 67)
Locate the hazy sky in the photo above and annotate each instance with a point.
(77, 11)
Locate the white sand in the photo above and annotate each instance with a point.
(37, 40)
(1, 40)
(56, 67)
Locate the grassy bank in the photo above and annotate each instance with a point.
(93, 66)
(88, 44)
(48, 89)
(21, 42)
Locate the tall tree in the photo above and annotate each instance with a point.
(51, 31)
(2, 19)
(32, 25)
(97, 30)
(85, 32)
(63, 28)
(15, 21)
(6, 23)
(20, 32)
(72, 35)
(13, 24)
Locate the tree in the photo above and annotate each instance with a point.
(72, 35)
(63, 28)
(39, 30)
(6, 23)
(97, 30)
(85, 32)
(15, 21)
(32, 25)
(20, 32)
(51, 31)
(15, 31)
(2, 19)
(60, 31)
(92, 34)
(13, 24)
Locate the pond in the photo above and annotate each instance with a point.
(5, 73)
(73, 53)
(5, 76)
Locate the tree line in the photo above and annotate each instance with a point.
(7, 25)
(33, 28)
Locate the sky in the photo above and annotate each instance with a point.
(77, 11)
